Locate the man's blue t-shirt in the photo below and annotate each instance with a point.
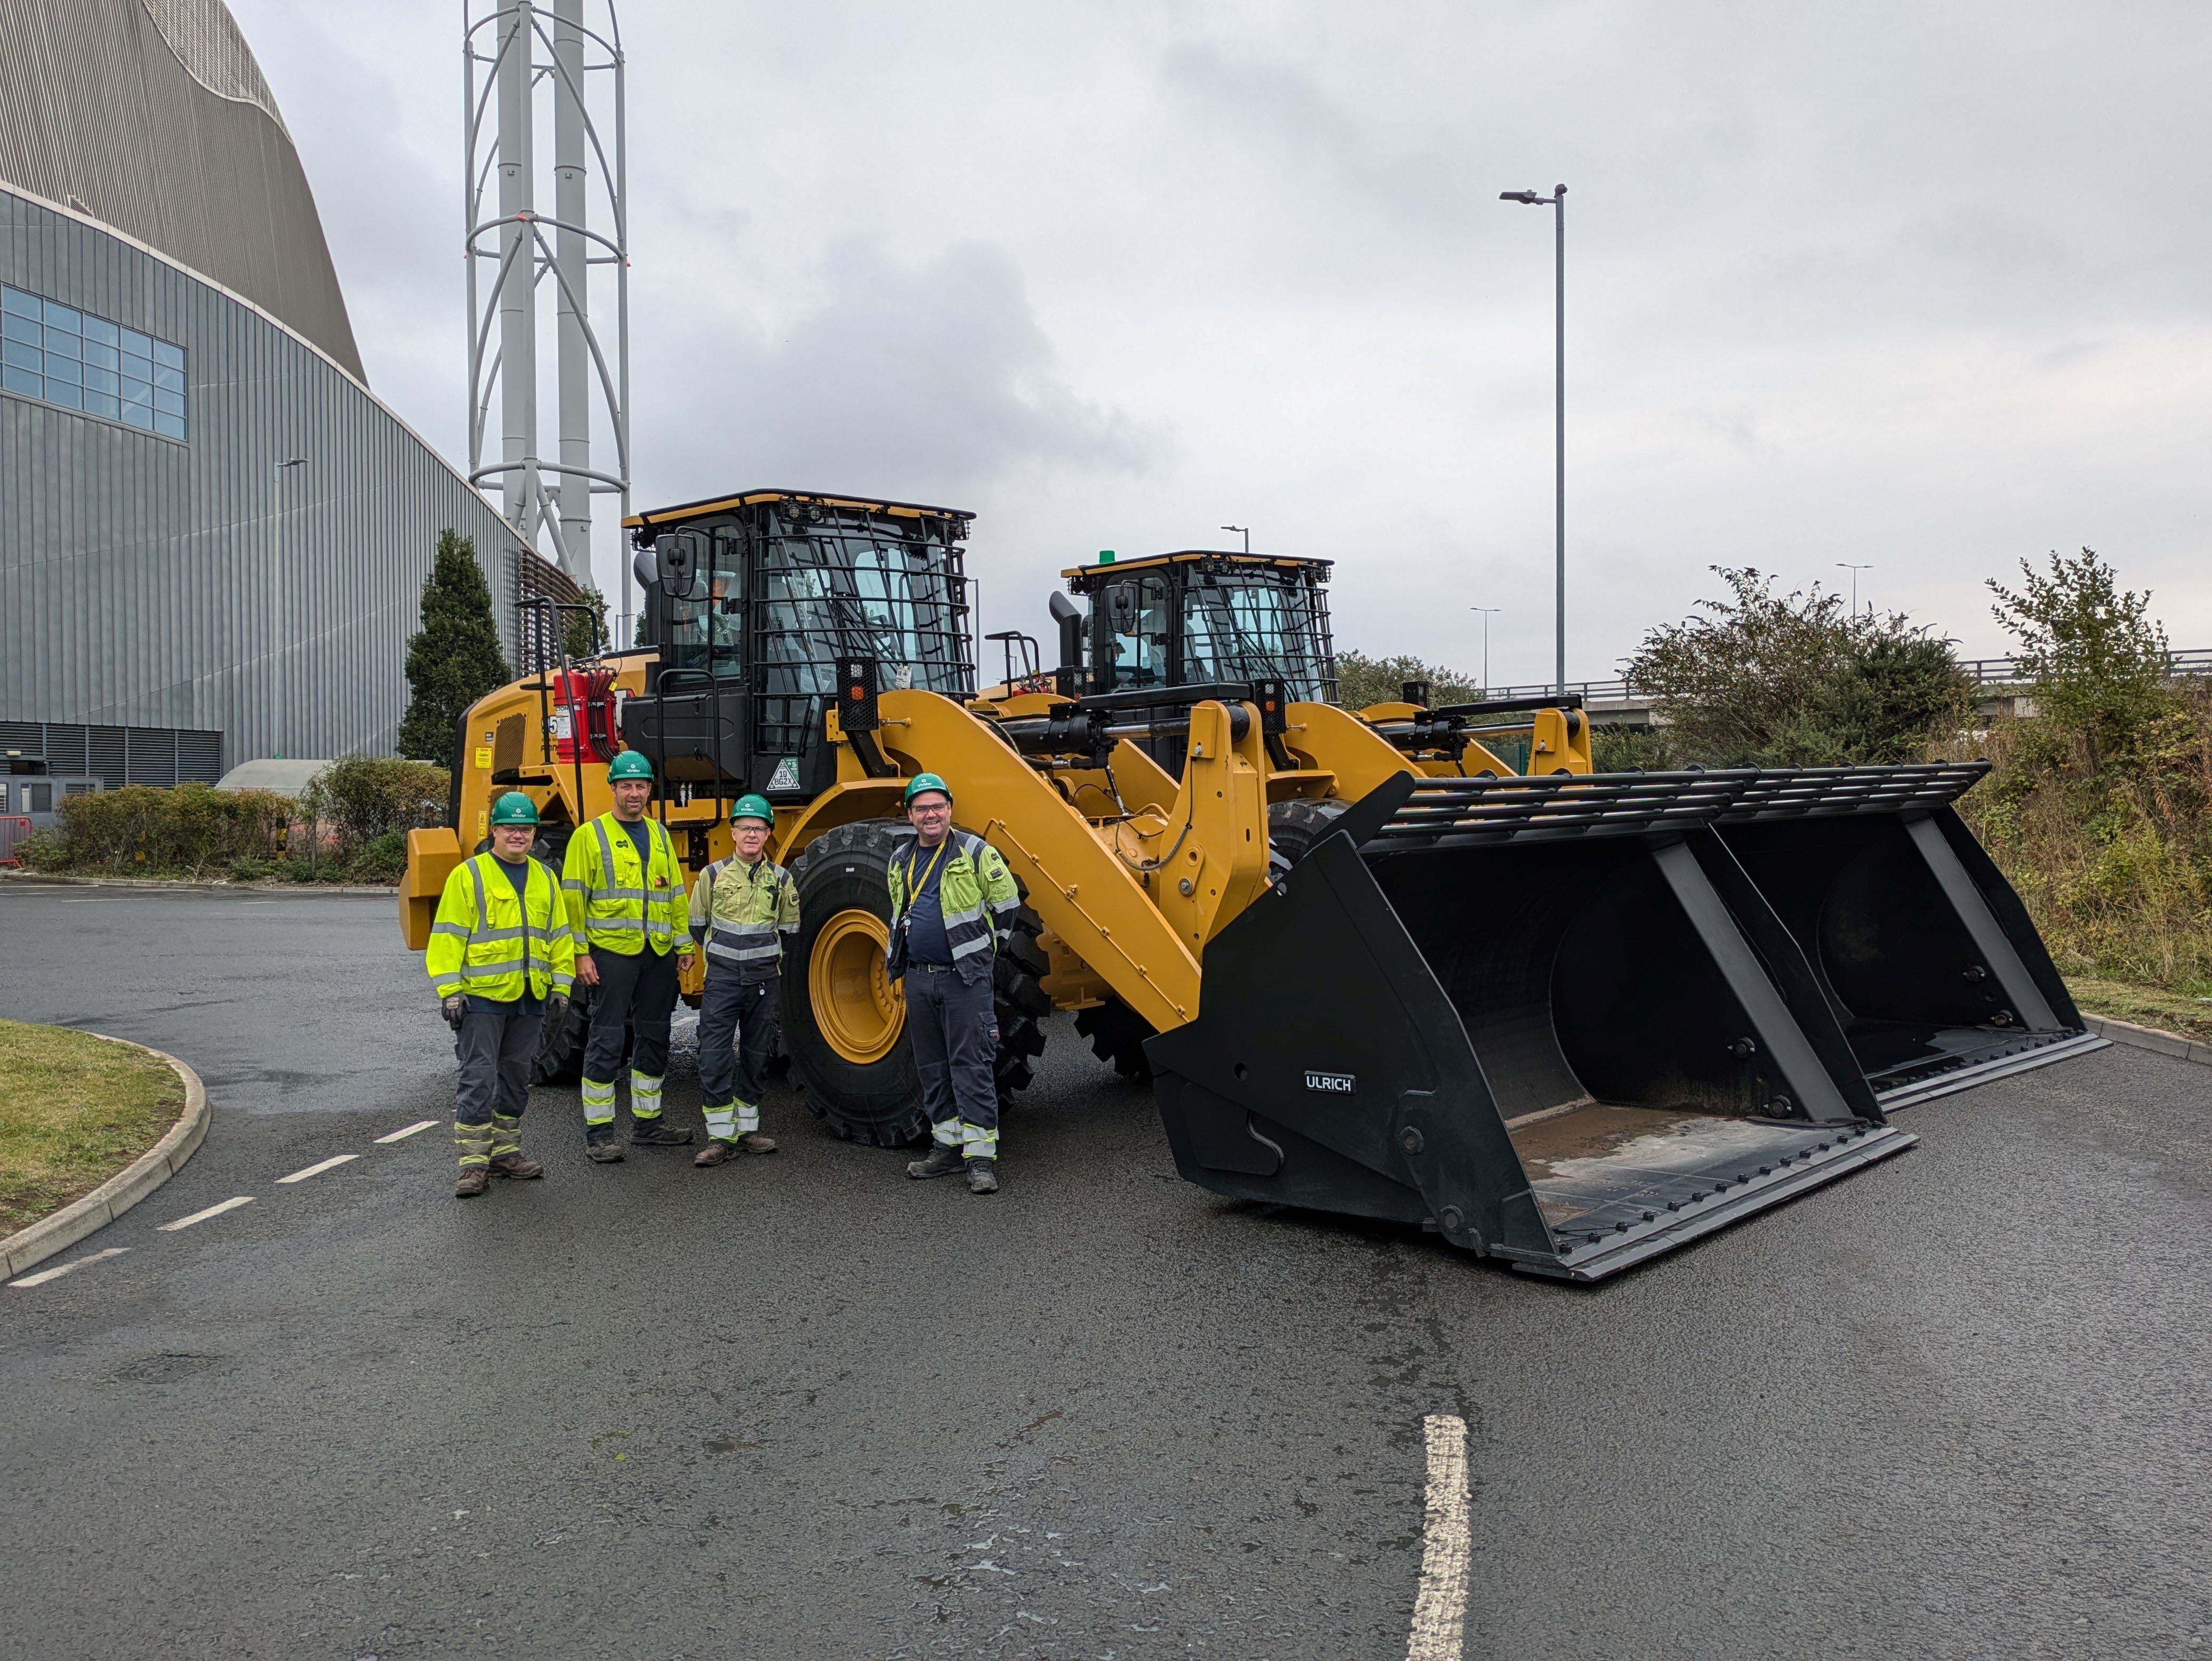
(924, 870)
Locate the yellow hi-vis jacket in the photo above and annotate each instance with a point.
(741, 911)
(615, 903)
(487, 943)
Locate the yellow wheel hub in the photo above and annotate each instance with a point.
(856, 1004)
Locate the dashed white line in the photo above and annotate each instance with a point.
(212, 1211)
(402, 1135)
(317, 1170)
(1440, 1609)
(46, 1274)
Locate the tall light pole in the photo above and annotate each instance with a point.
(1488, 611)
(281, 648)
(1845, 565)
(1557, 201)
(1245, 531)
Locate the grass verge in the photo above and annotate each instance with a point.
(2146, 1005)
(76, 1111)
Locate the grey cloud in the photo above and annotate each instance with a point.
(933, 381)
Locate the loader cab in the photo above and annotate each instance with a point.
(750, 602)
(1198, 618)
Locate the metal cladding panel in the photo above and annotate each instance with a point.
(157, 122)
(148, 582)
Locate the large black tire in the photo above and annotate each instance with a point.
(1117, 1035)
(841, 878)
(1296, 825)
(560, 1058)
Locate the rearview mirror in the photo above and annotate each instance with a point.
(677, 558)
(1122, 609)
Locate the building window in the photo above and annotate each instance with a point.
(61, 356)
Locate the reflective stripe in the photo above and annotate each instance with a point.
(599, 1102)
(748, 1118)
(644, 1096)
(722, 1124)
(449, 928)
(977, 1143)
(945, 1134)
(443, 989)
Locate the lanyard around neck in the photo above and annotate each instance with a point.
(913, 892)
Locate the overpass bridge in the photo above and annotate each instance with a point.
(1998, 684)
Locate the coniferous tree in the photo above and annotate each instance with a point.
(456, 658)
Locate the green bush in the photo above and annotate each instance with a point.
(1362, 680)
(192, 831)
(362, 797)
(1796, 679)
(384, 859)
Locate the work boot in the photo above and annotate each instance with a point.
(600, 1146)
(943, 1161)
(651, 1132)
(717, 1151)
(982, 1175)
(514, 1165)
(753, 1142)
(474, 1180)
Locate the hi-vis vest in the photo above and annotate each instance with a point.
(744, 908)
(614, 903)
(976, 897)
(487, 943)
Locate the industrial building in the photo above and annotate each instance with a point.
(212, 536)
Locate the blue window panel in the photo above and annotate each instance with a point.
(136, 391)
(169, 426)
(103, 404)
(164, 403)
(137, 345)
(138, 368)
(21, 304)
(13, 327)
(69, 398)
(101, 381)
(17, 356)
(100, 329)
(168, 356)
(61, 344)
(138, 415)
(166, 380)
(64, 317)
(99, 356)
(25, 382)
(64, 371)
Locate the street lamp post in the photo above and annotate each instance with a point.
(1845, 565)
(1488, 611)
(1557, 201)
(279, 724)
(1245, 531)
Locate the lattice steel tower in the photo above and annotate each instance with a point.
(509, 54)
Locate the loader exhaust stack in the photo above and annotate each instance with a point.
(1573, 1022)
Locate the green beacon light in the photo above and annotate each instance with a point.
(1105, 555)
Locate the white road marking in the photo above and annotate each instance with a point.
(103, 900)
(212, 1211)
(1440, 1610)
(318, 1170)
(402, 1135)
(46, 1274)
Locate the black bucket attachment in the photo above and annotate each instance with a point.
(1558, 1020)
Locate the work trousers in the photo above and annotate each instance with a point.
(954, 1029)
(496, 1046)
(731, 1081)
(638, 988)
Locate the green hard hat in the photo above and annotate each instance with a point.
(753, 807)
(514, 809)
(924, 782)
(630, 764)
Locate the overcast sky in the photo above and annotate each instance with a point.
(1923, 286)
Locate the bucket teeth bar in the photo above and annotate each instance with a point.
(1572, 1022)
(1469, 811)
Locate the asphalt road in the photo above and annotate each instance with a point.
(1956, 1405)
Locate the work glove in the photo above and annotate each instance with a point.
(556, 1006)
(453, 1009)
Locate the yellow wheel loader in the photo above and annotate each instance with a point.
(1566, 1020)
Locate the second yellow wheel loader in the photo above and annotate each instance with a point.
(1567, 1020)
